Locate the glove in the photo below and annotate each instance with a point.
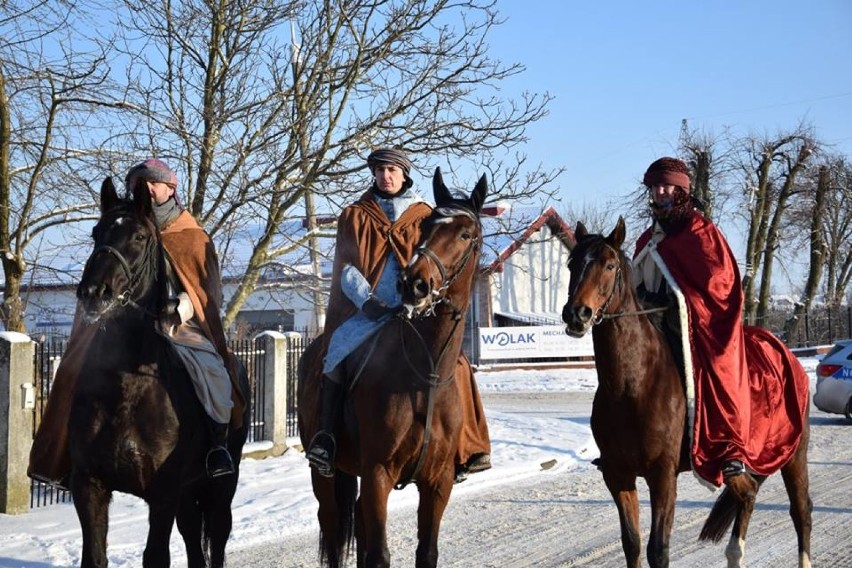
(375, 309)
(169, 316)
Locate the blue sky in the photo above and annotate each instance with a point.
(624, 74)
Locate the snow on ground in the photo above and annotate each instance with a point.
(274, 495)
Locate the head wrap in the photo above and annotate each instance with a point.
(668, 171)
(395, 157)
(152, 170)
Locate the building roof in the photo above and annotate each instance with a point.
(505, 244)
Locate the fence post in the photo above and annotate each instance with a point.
(275, 390)
(17, 404)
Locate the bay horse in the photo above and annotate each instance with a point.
(403, 415)
(136, 425)
(639, 413)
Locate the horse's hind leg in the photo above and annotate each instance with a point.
(735, 551)
(433, 501)
(623, 490)
(91, 500)
(795, 475)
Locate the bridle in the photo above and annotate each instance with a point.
(438, 295)
(600, 314)
(125, 297)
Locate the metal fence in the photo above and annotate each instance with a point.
(251, 352)
(822, 325)
(47, 356)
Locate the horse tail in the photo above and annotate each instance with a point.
(722, 516)
(334, 548)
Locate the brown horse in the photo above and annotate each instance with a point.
(639, 411)
(403, 414)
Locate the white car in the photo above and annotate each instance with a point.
(834, 380)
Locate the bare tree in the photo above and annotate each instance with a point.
(52, 83)
(810, 213)
(259, 123)
(837, 229)
(770, 167)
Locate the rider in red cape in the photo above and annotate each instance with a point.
(735, 374)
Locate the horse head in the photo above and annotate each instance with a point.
(123, 265)
(448, 254)
(597, 278)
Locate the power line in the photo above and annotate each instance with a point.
(769, 107)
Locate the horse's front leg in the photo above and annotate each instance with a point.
(375, 488)
(662, 486)
(434, 496)
(91, 500)
(161, 519)
(622, 486)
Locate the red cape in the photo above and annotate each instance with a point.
(751, 393)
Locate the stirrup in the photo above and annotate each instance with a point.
(218, 466)
(733, 467)
(320, 457)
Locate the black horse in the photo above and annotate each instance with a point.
(136, 425)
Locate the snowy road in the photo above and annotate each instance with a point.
(564, 516)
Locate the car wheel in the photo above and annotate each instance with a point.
(848, 410)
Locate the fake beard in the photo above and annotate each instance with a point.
(673, 217)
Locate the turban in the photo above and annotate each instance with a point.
(152, 170)
(391, 156)
(668, 171)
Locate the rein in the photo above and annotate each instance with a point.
(433, 380)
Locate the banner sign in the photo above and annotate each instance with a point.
(531, 342)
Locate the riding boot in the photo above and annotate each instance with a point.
(218, 461)
(323, 447)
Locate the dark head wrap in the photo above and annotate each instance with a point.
(668, 171)
(395, 157)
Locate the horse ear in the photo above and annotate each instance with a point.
(580, 231)
(477, 198)
(616, 237)
(442, 194)
(109, 197)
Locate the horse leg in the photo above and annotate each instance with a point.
(336, 499)
(360, 537)
(91, 500)
(433, 501)
(663, 491)
(161, 518)
(375, 488)
(735, 551)
(795, 475)
(623, 489)
(189, 526)
(218, 518)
